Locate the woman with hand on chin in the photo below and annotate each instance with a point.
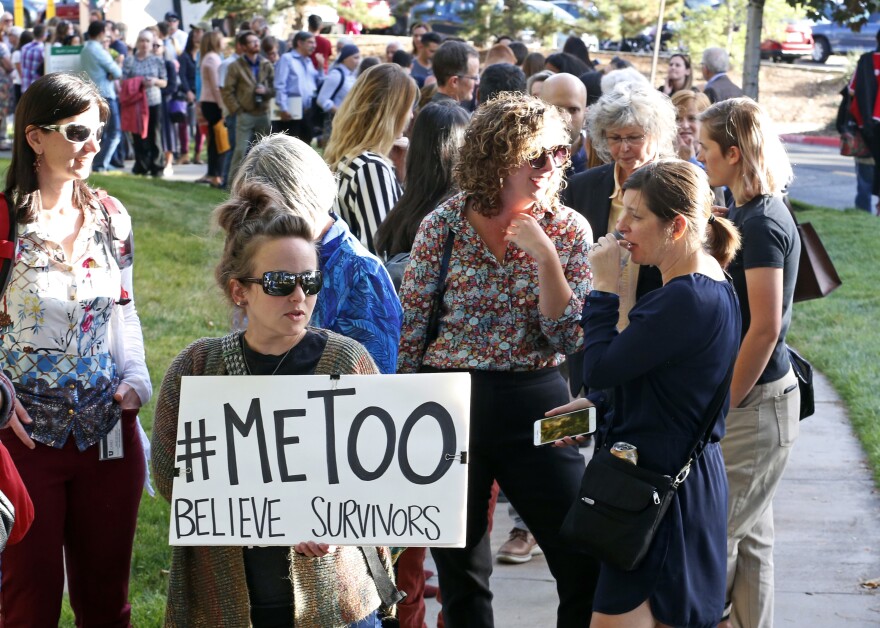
(269, 268)
(71, 343)
(665, 369)
(679, 76)
(516, 278)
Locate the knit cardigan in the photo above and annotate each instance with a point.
(207, 585)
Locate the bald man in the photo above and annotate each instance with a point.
(567, 92)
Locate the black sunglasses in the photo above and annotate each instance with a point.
(76, 133)
(280, 283)
(558, 156)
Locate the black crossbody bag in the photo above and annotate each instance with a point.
(620, 505)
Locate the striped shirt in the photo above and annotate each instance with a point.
(367, 191)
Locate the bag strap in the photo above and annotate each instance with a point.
(433, 329)
(388, 593)
(341, 83)
(709, 420)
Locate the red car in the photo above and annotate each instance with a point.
(797, 42)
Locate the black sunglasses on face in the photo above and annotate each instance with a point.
(558, 156)
(76, 133)
(280, 283)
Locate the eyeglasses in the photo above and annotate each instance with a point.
(632, 140)
(468, 76)
(558, 156)
(280, 283)
(75, 132)
(155, 46)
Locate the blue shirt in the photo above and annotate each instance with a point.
(101, 68)
(295, 75)
(358, 299)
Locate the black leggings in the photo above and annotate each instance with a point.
(540, 482)
(213, 114)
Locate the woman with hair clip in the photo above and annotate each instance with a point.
(437, 136)
(665, 369)
(72, 345)
(514, 287)
(741, 151)
(269, 268)
(366, 127)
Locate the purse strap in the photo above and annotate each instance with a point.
(711, 418)
(433, 328)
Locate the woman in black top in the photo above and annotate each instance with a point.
(741, 151)
(188, 70)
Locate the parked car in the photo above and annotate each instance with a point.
(448, 18)
(831, 38)
(797, 42)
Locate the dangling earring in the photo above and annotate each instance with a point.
(38, 162)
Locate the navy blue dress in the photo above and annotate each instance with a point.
(665, 368)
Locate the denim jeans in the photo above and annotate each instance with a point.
(112, 135)
(864, 183)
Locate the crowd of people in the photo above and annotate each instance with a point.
(589, 236)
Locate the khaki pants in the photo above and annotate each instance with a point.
(760, 433)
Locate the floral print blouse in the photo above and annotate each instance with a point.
(55, 324)
(490, 318)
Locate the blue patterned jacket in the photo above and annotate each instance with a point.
(358, 299)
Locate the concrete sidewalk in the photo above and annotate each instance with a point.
(827, 515)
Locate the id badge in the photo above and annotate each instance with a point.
(110, 447)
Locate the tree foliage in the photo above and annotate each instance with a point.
(491, 18)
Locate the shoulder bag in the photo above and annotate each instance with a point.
(433, 328)
(816, 276)
(620, 505)
(803, 370)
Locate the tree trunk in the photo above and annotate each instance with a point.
(752, 57)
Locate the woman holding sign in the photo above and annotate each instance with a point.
(511, 300)
(269, 268)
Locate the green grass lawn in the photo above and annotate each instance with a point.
(178, 302)
(840, 334)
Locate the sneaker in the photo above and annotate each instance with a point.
(168, 171)
(519, 548)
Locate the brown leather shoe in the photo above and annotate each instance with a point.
(518, 548)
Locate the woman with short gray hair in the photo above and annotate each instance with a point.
(633, 124)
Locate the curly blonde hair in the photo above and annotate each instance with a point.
(503, 134)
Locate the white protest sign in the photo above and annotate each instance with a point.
(357, 460)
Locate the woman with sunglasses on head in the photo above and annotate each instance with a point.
(144, 63)
(741, 151)
(72, 344)
(268, 268)
(515, 281)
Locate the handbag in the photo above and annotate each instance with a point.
(816, 276)
(620, 505)
(221, 136)
(852, 143)
(803, 370)
(177, 111)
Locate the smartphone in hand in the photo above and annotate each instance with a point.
(577, 423)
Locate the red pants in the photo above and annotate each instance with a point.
(87, 508)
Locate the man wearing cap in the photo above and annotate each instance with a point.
(296, 83)
(246, 93)
(97, 62)
(176, 36)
